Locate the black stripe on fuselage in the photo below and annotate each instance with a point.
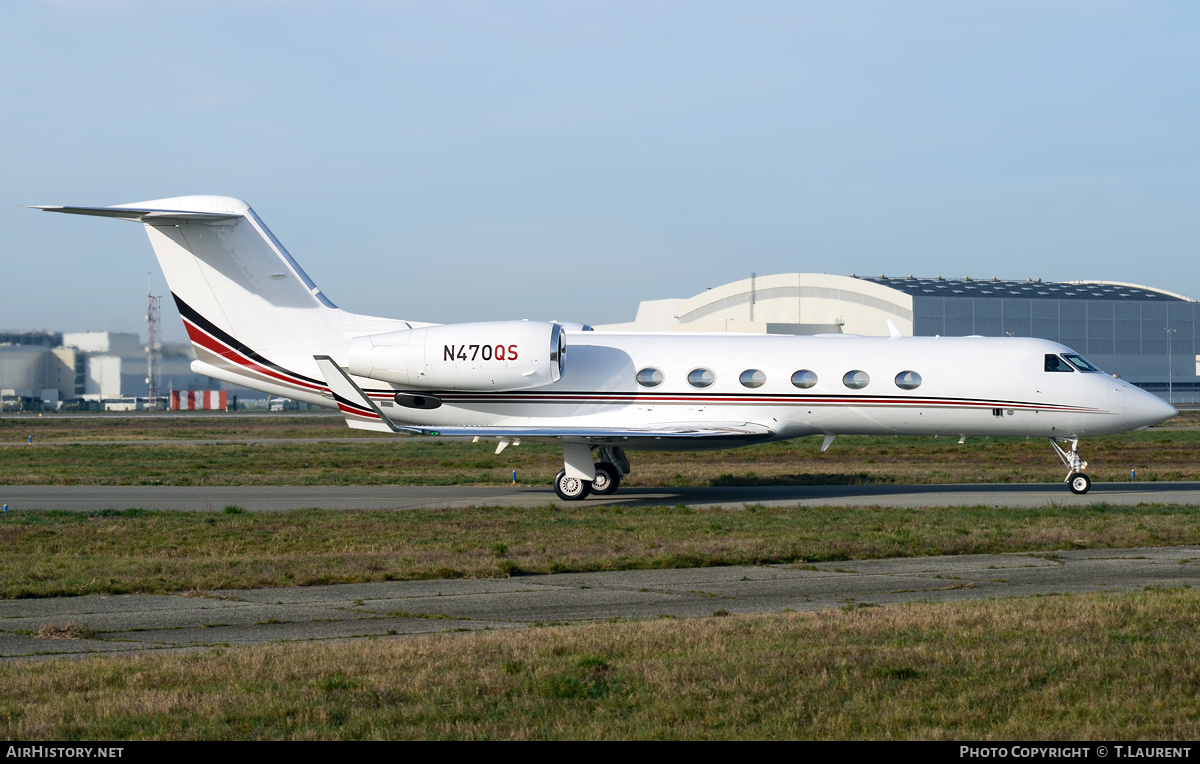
(222, 336)
(566, 397)
(599, 398)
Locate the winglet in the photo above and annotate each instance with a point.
(892, 330)
(360, 411)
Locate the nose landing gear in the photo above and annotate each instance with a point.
(1076, 480)
(1080, 483)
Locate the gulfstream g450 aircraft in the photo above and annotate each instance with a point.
(256, 319)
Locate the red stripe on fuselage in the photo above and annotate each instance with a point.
(365, 413)
(213, 345)
(764, 400)
(222, 350)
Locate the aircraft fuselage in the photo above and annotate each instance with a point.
(977, 386)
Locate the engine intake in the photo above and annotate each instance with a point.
(491, 355)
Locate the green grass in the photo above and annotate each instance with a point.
(50, 427)
(104, 450)
(52, 553)
(1085, 667)
(1156, 455)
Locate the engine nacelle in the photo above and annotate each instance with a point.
(492, 355)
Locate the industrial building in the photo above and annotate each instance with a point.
(1146, 335)
(36, 365)
(48, 368)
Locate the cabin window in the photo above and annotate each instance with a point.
(1054, 363)
(1079, 362)
(701, 377)
(908, 380)
(752, 378)
(804, 379)
(649, 377)
(856, 380)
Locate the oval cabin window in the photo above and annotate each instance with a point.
(856, 380)
(804, 378)
(752, 378)
(649, 377)
(701, 377)
(908, 380)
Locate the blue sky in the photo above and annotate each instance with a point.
(458, 161)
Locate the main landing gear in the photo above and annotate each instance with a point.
(573, 484)
(607, 480)
(571, 488)
(1076, 480)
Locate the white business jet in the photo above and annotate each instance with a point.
(257, 320)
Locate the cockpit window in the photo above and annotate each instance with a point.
(1079, 362)
(1054, 363)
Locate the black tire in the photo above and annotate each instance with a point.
(607, 480)
(1080, 483)
(571, 489)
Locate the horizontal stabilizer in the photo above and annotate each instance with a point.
(362, 413)
(141, 215)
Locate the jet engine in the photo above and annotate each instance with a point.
(492, 355)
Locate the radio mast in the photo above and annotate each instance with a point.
(153, 347)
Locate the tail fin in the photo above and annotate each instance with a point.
(226, 270)
(253, 315)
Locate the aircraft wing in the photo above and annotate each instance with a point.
(362, 413)
(739, 431)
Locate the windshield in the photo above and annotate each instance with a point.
(1081, 363)
(1054, 363)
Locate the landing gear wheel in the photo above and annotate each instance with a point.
(1080, 483)
(607, 479)
(571, 488)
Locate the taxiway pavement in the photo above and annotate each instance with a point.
(276, 498)
(135, 623)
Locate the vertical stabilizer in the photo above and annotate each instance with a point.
(253, 315)
(233, 274)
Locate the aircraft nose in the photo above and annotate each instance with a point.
(1143, 409)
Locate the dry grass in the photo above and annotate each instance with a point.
(68, 630)
(69, 553)
(1091, 667)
